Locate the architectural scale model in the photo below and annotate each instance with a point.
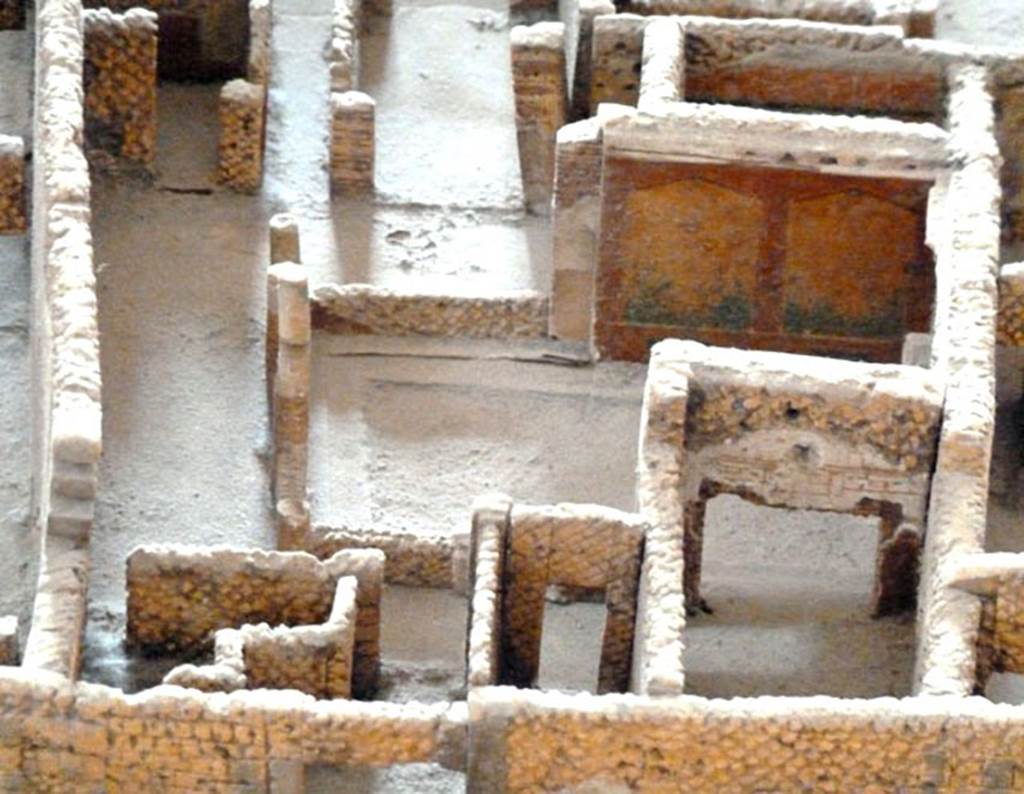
(591, 396)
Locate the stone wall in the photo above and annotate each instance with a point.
(916, 17)
(541, 98)
(261, 24)
(578, 18)
(67, 412)
(523, 741)
(809, 433)
(55, 736)
(575, 229)
(367, 309)
(199, 39)
(120, 85)
(343, 55)
(12, 185)
(317, 660)
(179, 595)
(521, 550)
(9, 654)
(783, 64)
(1010, 326)
(964, 232)
(413, 560)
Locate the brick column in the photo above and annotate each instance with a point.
(241, 136)
(352, 141)
(539, 81)
(291, 383)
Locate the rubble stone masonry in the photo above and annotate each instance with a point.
(12, 185)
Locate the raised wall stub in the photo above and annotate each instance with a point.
(120, 84)
(13, 218)
(368, 309)
(242, 113)
(411, 559)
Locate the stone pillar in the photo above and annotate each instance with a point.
(284, 247)
(12, 185)
(291, 383)
(241, 113)
(352, 141)
(284, 239)
(291, 518)
(619, 628)
(539, 82)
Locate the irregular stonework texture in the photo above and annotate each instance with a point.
(12, 14)
(1011, 305)
(178, 596)
(199, 39)
(60, 737)
(410, 559)
(65, 348)
(316, 660)
(242, 111)
(352, 141)
(999, 580)
(484, 659)
(367, 309)
(12, 185)
(343, 55)
(120, 84)
(524, 741)
(1011, 139)
(661, 613)
(803, 433)
(539, 82)
(9, 640)
(964, 232)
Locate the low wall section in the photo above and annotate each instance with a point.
(12, 185)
